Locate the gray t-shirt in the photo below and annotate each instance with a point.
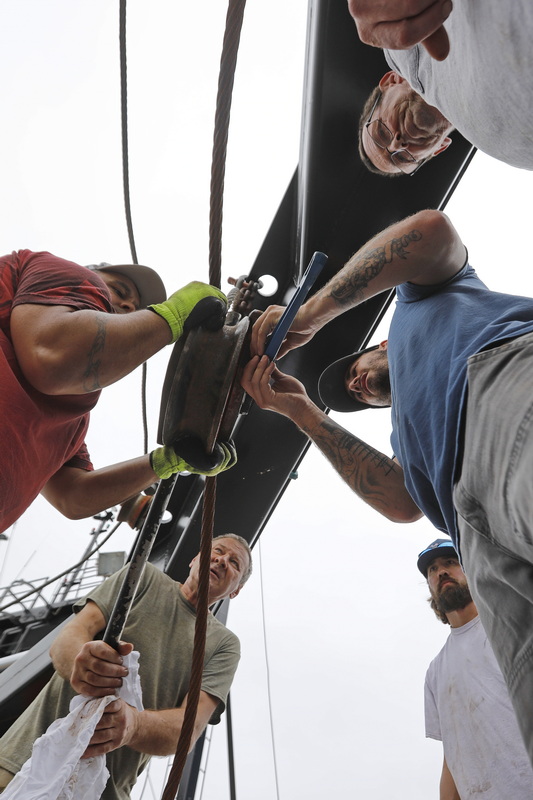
(484, 86)
(468, 708)
(161, 627)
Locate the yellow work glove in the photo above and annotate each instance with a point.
(166, 462)
(195, 304)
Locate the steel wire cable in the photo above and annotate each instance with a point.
(126, 184)
(267, 669)
(228, 62)
(124, 127)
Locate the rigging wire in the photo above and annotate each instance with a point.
(269, 694)
(65, 572)
(228, 63)
(126, 184)
(124, 120)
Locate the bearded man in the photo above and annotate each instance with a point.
(467, 705)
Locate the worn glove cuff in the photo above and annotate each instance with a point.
(165, 462)
(183, 304)
(173, 321)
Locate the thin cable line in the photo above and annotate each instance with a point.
(124, 119)
(126, 185)
(267, 667)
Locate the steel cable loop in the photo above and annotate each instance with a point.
(228, 62)
(202, 610)
(126, 184)
(124, 125)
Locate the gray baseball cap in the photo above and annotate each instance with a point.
(149, 285)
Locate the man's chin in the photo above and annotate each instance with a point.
(453, 597)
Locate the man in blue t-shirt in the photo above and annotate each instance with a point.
(462, 458)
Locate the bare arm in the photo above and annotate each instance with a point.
(400, 24)
(92, 667)
(62, 351)
(77, 493)
(423, 249)
(153, 732)
(448, 790)
(95, 669)
(375, 478)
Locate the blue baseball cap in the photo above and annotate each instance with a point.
(437, 549)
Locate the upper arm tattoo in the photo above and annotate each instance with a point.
(368, 266)
(91, 380)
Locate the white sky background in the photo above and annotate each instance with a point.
(348, 628)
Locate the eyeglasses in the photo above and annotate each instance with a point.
(382, 136)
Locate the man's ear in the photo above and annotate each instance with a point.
(390, 79)
(383, 345)
(235, 593)
(444, 146)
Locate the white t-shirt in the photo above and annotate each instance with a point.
(468, 708)
(484, 86)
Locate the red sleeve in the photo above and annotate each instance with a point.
(81, 459)
(44, 279)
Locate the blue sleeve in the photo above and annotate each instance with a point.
(412, 292)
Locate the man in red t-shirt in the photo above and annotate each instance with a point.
(66, 332)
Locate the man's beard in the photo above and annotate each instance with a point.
(382, 384)
(381, 376)
(453, 598)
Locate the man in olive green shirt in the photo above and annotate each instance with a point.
(161, 627)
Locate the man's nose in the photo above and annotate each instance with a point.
(399, 142)
(127, 306)
(353, 384)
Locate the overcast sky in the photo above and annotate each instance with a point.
(348, 628)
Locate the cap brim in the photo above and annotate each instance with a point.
(149, 285)
(427, 556)
(332, 385)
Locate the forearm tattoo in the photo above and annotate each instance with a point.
(368, 266)
(367, 471)
(91, 380)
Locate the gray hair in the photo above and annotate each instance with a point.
(365, 113)
(247, 572)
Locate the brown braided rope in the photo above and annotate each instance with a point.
(228, 62)
(202, 609)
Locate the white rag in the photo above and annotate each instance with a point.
(55, 770)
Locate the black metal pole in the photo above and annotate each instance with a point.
(231, 758)
(141, 552)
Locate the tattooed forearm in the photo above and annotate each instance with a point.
(377, 479)
(349, 454)
(91, 380)
(369, 264)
